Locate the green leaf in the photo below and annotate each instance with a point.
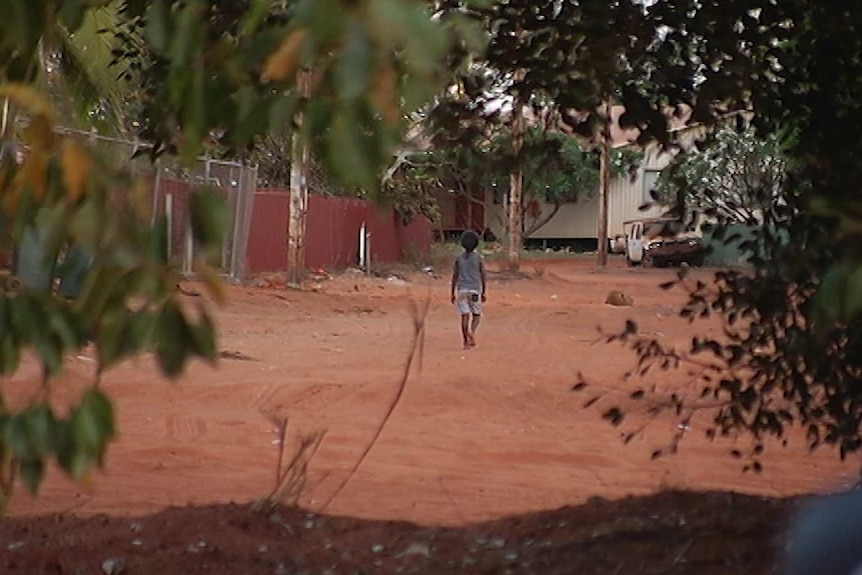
(32, 471)
(326, 18)
(71, 14)
(354, 67)
(185, 38)
(21, 322)
(30, 317)
(248, 105)
(87, 223)
(110, 341)
(853, 294)
(282, 111)
(196, 112)
(255, 15)
(157, 29)
(92, 426)
(830, 298)
(172, 340)
(468, 32)
(10, 354)
(99, 288)
(159, 240)
(389, 22)
(124, 334)
(210, 217)
(204, 337)
(426, 44)
(62, 323)
(348, 155)
(140, 329)
(30, 434)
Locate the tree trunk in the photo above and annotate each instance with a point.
(7, 121)
(604, 186)
(298, 205)
(516, 186)
(8, 147)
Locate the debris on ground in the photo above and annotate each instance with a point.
(619, 299)
(320, 275)
(235, 355)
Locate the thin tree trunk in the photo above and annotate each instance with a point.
(8, 144)
(5, 119)
(298, 205)
(604, 186)
(516, 186)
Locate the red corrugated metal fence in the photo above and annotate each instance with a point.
(333, 233)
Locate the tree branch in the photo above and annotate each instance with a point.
(541, 222)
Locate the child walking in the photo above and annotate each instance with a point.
(468, 287)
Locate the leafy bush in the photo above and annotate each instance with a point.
(128, 301)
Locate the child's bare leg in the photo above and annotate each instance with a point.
(474, 325)
(465, 329)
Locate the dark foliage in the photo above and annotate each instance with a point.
(791, 351)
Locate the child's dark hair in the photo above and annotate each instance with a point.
(470, 240)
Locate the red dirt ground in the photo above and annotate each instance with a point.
(478, 438)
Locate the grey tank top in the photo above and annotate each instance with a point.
(469, 275)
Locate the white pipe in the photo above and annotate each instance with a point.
(190, 246)
(362, 246)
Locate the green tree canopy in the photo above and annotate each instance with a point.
(735, 176)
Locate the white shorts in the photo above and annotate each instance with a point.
(469, 302)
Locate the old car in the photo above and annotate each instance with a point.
(662, 242)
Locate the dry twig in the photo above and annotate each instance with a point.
(419, 314)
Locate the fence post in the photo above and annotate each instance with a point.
(242, 221)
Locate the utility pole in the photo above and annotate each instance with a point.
(604, 185)
(516, 186)
(298, 204)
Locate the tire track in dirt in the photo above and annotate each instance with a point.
(312, 397)
(526, 324)
(184, 429)
(264, 396)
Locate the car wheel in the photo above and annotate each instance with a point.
(698, 261)
(648, 261)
